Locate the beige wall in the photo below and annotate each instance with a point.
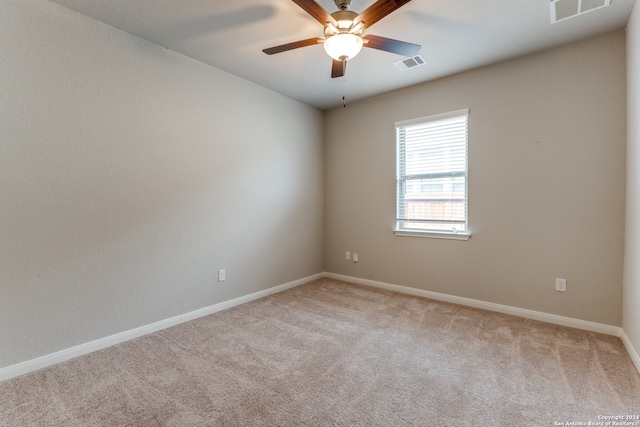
(126, 184)
(130, 174)
(631, 312)
(547, 184)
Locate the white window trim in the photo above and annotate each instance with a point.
(433, 234)
(449, 235)
(433, 117)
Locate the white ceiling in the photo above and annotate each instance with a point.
(456, 35)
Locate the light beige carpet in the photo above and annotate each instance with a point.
(330, 353)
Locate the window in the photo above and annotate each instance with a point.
(431, 156)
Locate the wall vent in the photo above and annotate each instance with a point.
(565, 9)
(410, 62)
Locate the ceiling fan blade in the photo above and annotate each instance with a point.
(294, 45)
(316, 11)
(379, 10)
(338, 68)
(390, 45)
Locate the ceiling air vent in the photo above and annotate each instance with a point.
(410, 62)
(565, 9)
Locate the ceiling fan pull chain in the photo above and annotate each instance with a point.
(344, 85)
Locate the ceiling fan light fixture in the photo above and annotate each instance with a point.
(343, 32)
(343, 46)
(345, 24)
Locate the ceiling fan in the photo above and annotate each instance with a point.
(343, 30)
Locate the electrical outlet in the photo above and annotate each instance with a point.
(355, 257)
(347, 256)
(561, 285)
(222, 275)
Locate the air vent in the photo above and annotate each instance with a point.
(565, 9)
(410, 62)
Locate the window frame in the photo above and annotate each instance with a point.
(399, 228)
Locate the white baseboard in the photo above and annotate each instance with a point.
(515, 311)
(520, 312)
(99, 344)
(631, 350)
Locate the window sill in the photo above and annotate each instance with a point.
(433, 234)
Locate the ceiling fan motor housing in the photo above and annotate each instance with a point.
(345, 19)
(343, 4)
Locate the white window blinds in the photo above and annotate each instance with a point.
(432, 173)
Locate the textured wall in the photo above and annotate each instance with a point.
(130, 174)
(631, 320)
(546, 187)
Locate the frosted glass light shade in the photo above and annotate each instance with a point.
(343, 46)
